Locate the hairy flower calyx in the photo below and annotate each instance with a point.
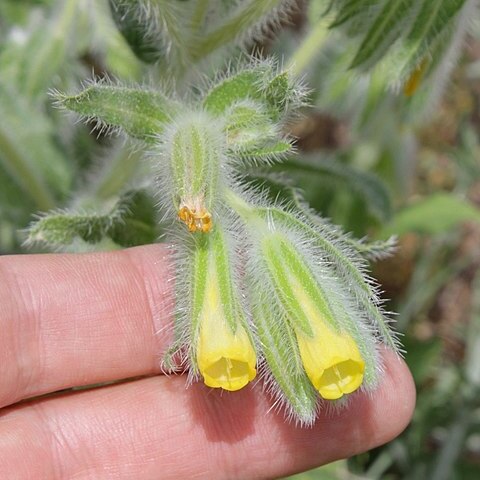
(190, 181)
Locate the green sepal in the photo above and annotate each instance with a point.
(280, 351)
(277, 92)
(249, 129)
(211, 259)
(280, 93)
(210, 262)
(195, 152)
(267, 151)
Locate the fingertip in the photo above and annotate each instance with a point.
(370, 419)
(396, 396)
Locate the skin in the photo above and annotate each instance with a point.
(78, 319)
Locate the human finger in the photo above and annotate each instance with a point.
(155, 429)
(77, 319)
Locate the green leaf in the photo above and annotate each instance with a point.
(280, 349)
(250, 14)
(350, 9)
(432, 21)
(384, 31)
(268, 152)
(140, 113)
(28, 151)
(156, 30)
(137, 220)
(241, 86)
(434, 215)
(135, 32)
(47, 49)
(367, 185)
(130, 222)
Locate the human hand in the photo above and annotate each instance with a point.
(70, 320)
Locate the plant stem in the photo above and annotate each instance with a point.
(308, 49)
(199, 15)
(234, 26)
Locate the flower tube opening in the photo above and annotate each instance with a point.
(225, 359)
(228, 373)
(342, 378)
(332, 362)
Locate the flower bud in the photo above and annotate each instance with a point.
(193, 148)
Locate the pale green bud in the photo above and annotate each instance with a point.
(191, 154)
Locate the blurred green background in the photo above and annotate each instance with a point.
(372, 159)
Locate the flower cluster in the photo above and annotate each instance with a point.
(262, 287)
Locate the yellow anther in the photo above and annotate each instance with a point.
(196, 219)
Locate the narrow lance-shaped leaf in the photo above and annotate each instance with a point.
(135, 32)
(130, 222)
(156, 30)
(350, 9)
(384, 31)
(27, 151)
(432, 21)
(141, 113)
(47, 48)
(365, 184)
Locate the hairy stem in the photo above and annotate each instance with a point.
(302, 58)
(234, 26)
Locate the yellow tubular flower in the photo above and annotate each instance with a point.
(226, 360)
(330, 356)
(332, 360)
